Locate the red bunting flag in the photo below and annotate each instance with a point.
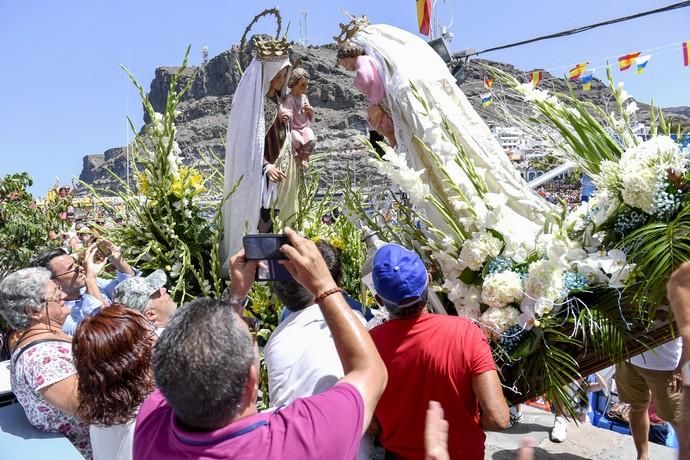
(488, 83)
(686, 53)
(626, 61)
(424, 16)
(576, 71)
(536, 77)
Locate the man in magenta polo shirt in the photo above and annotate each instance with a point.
(206, 368)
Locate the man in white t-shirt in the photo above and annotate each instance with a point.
(300, 355)
(654, 372)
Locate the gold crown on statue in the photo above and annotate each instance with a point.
(270, 49)
(347, 31)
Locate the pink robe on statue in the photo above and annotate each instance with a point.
(369, 81)
(300, 123)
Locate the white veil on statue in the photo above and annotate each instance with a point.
(244, 153)
(403, 58)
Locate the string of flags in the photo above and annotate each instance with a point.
(583, 75)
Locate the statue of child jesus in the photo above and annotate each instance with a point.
(301, 113)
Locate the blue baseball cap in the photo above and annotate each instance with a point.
(399, 275)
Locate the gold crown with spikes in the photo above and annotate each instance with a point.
(270, 49)
(347, 31)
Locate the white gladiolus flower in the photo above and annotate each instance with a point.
(602, 206)
(501, 289)
(450, 265)
(464, 296)
(631, 108)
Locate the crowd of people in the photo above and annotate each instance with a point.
(123, 373)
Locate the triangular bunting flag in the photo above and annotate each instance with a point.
(424, 16)
(587, 79)
(488, 83)
(536, 77)
(642, 63)
(624, 62)
(576, 71)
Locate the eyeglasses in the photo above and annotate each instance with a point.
(76, 270)
(56, 296)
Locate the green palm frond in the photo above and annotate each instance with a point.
(657, 249)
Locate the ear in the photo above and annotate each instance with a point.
(151, 315)
(251, 389)
(37, 315)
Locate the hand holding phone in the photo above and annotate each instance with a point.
(104, 249)
(265, 247)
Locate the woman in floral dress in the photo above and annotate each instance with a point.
(42, 374)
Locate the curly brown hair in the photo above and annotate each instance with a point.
(112, 354)
(348, 50)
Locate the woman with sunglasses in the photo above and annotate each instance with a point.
(42, 374)
(112, 354)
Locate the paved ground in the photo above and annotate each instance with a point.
(584, 441)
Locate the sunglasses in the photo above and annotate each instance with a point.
(76, 270)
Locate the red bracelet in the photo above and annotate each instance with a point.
(325, 294)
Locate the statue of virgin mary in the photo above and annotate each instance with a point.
(391, 64)
(258, 149)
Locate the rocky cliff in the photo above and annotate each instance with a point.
(340, 111)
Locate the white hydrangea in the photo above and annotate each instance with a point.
(501, 289)
(638, 189)
(477, 249)
(640, 168)
(544, 280)
(498, 320)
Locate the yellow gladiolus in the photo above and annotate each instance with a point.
(196, 180)
(337, 243)
(144, 183)
(177, 188)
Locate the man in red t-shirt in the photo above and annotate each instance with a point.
(431, 358)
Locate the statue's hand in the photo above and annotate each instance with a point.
(275, 175)
(374, 115)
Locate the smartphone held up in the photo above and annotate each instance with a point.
(265, 247)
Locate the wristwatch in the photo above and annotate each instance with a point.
(685, 371)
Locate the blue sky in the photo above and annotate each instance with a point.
(64, 95)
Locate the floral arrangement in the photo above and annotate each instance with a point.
(544, 293)
(640, 209)
(172, 217)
